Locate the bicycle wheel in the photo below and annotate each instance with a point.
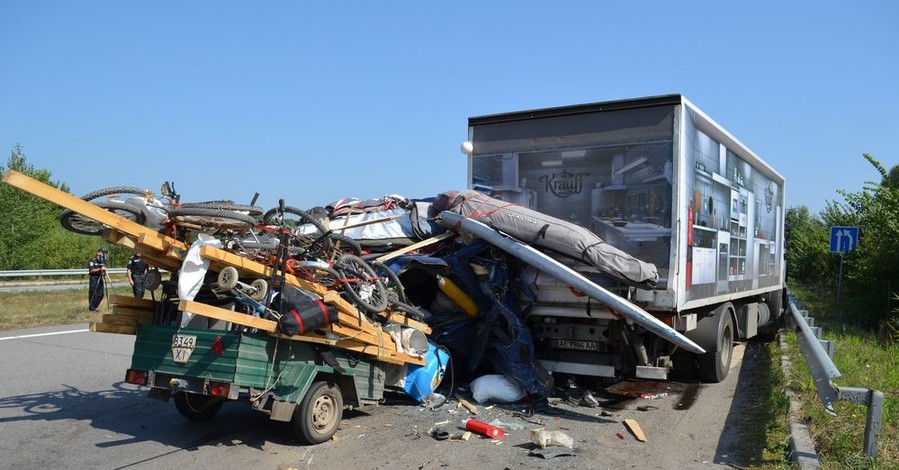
(75, 222)
(395, 289)
(361, 283)
(253, 211)
(297, 220)
(343, 244)
(211, 219)
(114, 192)
(315, 271)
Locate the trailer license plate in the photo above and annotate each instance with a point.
(578, 344)
(182, 347)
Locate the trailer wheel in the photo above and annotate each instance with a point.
(316, 418)
(715, 363)
(197, 407)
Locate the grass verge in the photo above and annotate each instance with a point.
(42, 308)
(863, 363)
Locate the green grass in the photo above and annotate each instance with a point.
(64, 307)
(863, 363)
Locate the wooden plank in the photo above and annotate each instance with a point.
(635, 429)
(120, 329)
(170, 263)
(128, 301)
(115, 319)
(403, 319)
(91, 211)
(217, 313)
(132, 312)
(222, 258)
(415, 246)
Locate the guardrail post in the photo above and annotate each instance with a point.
(818, 355)
(873, 399)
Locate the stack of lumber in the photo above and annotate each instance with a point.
(127, 313)
(355, 331)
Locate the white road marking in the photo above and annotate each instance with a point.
(44, 334)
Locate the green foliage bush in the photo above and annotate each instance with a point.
(31, 236)
(871, 272)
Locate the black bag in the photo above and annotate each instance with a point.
(302, 312)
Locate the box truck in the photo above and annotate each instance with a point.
(659, 179)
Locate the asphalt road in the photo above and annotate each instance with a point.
(63, 404)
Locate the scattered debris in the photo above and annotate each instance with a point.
(551, 452)
(468, 406)
(483, 428)
(635, 429)
(544, 439)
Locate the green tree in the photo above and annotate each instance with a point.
(31, 236)
(871, 272)
(806, 243)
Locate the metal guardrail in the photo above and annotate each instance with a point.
(55, 272)
(823, 370)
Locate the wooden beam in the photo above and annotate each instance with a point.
(127, 320)
(132, 312)
(128, 301)
(217, 313)
(415, 246)
(403, 319)
(75, 204)
(120, 329)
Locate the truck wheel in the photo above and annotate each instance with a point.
(316, 418)
(715, 363)
(197, 407)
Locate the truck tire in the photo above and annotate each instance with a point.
(715, 363)
(197, 407)
(317, 416)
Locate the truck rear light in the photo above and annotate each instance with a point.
(137, 377)
(219, 389)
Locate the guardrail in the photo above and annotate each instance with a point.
(823, 371)
(55, 272)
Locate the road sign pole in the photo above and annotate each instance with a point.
(840, 280)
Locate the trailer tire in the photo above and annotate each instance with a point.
(714, 365)
(197, 407)
(318, 415)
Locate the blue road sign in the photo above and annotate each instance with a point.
(843, 239)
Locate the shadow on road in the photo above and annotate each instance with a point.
(750, 413)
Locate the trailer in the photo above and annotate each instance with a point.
(660, 180)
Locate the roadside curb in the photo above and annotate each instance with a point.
(802, 448)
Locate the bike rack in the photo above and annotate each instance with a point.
(823, 370)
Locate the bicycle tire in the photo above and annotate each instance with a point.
(77, 223)
(211, 218)
(115, 190)
(317, 273)
(346, 243)
(361, 283)
(253, 211)
(271, 218)
(393, 284)
(409, 310)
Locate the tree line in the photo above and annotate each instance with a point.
(870, 273)
(30, 234)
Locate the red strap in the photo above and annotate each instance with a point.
(299, 321)
(324, 309)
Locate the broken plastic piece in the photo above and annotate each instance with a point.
(544, 438)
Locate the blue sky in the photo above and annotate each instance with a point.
(314, 101)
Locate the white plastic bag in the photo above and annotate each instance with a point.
(193, 271)
(495, 388)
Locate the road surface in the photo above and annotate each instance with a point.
(63, 404)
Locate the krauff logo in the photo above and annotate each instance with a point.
(564, 184)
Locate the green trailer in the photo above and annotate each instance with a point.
(304, 383)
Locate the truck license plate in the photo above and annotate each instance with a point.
(182, 347)
(578, 344)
